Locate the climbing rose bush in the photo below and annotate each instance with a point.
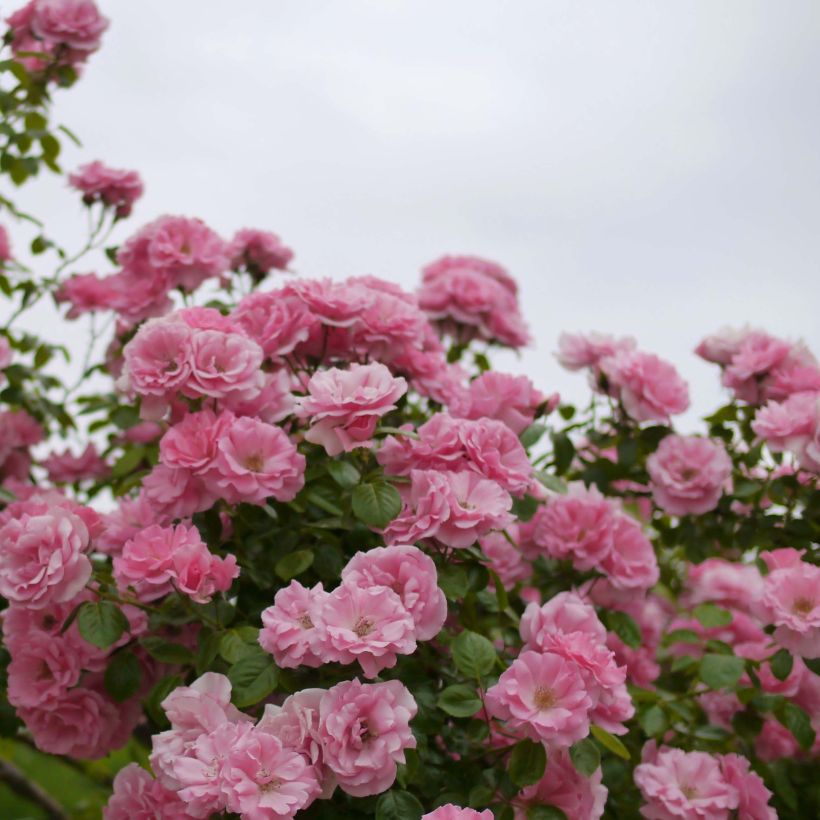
(291, 547)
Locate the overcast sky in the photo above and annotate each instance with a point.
(641, 167)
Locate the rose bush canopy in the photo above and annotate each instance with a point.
(290, 547)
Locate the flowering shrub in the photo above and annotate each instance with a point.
(309, 555)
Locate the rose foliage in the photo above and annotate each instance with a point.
(307, 554)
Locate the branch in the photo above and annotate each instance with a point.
(19, 783)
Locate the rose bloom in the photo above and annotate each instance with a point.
(564, 613)
(333, 304)
(42, 558)
(255, 461)
(66, 468)
(579, 526)
(411, 575)
(113, 187)
(191, 443)
(5, 353)
(788, 425)
(449, 811)
(688, 474)
(682, 784)
(277, 321)
(754, 796)
(137, 796)
(542, 695)
(41, 670)
(262, 778)
(563, 786)
(344, 406)
(723, 582)
(649, 388)
(369, 625)
(454, 508)
(364, 730)
(446, 264)
(631, 564)
(223, 364)
(174, 493)
(505, 558)
(791, 601)
(757, 354)
(289, 630)
(158, 358)
(259, 251)
(273, 403)
(577, 351)
(74, 23)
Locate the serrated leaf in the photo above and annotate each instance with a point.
(123, 675)
(721, 671)
(459, 700)
(344, 474)
(233, 646)
(585, 757)
(376, 503)
(398, 805)
(527, 763)
(253, 677)
(167, 651)
(101, 623)
(797, 722)
(624, 626)
(473, 654)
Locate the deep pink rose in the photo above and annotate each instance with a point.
(223, 364)
(191, 444)
(723, 582)
(137, 796)
(276, 320)
(74, 23)
(113, 187)
(41, 670)
(158, 359)
(505, 558)
(333, 304)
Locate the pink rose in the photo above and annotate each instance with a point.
(505, 558)
(158, 359)
(124, 522)
(66, 468)
(364, 730)
(191, 444)
(791, 601)
(176, 493)
(563, 614)
(137, 796)
(563, 786)
(631, 564)
(255, 461)
(74, 23)
(223, 364)
(754, 796)
(454, 508)
(271, 404)
(577, 351)
(723, 346)
(649, 388)
(86, 292)
(259, 251)
(5, 244)
(333, 304)
(344, 406)
(411, 575)
(276, 320)
(289, 630)
(723, 582)
(43, 558)
(757, 355)
(682, 784)
(113, 187)
(6, 355)
(369, 625)
(542, 695)
(41, 670)
(451, 812)
(446, 264)
(688, 474)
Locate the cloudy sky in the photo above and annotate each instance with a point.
(640, 167)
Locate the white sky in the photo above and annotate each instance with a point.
(640, 167)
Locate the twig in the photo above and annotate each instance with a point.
(19, 783)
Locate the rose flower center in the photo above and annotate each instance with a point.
(544, 698)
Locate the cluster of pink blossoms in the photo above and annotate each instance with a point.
(388, 600)
(113, 187)
(215, 758)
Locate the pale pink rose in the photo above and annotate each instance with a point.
(446, 264)
(345, 406)
(271, 404)
(632, 563)
(723, 582)
(788, 425)
(255, 461)
(77, 24)
(334, 304)
(791, 601)
(159, 560)
(180, 251)
(563, 786)
(137, 796)
(369, 625)
(175, 493)
(79, 723)
(114, 187)
(762, 651)
(755, 357)
(577, 351)
(505, 559)
(494, 451)
(542, 695)
(678, 784)
(430, 374)
(649, 388)
(792, 377)
(579, 525)
(191, 443)
(721, 347)
(277, 321)
(223, 364)
(259, 251)
(364, 730)
(512, 400)
(449, 811)
(158, 359)
(41, 670)
(454, 508)
(688, 474)
(261, 778)
(66, 468)
(563, 614)
(289, 630)
(392, 323)
(43, 558)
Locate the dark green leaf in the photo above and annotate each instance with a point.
(653, 720)
(459, 700)
(166, 651)
(293, 564)
(532, 434)
(376, 504)
(344, 474)
(585, 757)
(398, 805)
(624, 626)
(563, 452)
(781, 664)
(797, 722)
(473, 654)
(128, 461)
(123, 675)
(253, 677)
(102, 623)
(609, 741)
(545, 813)
(721, 671)
(527, 763)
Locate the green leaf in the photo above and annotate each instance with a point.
(682, 636)
(546, 813)
(101, 623)
(233, 646)
(123, 675)
(711, 615)
(128, 461)
(454, 581)
(813, 664)
(781, 664)
(473, 654)
(344, 474)
(653, 721)
(624, 626)
(721, 671)
(293, 564)
(398, 805)
(252, 677)
(609, 741)
(552, 482)
(459, 700)
(376, 504)
(527, 763)
(563, 452)
(585, 757)
(627, 452)
(797, 722)
(532, 435)
(167, 651)
(158, 694)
